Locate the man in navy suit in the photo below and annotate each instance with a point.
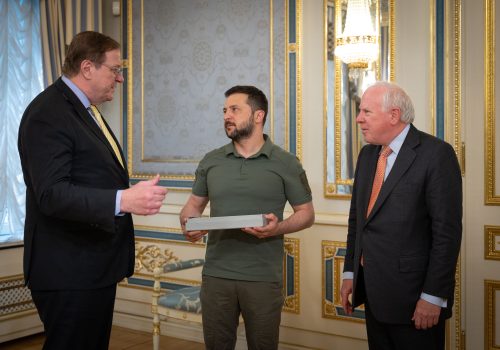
(79, 235)
(405, 226)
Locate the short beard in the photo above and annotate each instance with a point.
(243, 133)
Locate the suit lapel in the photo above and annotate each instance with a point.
(86, 118)
(404, 160)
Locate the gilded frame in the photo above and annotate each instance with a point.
(446, 74)
(331, 188)
(292, 124)
(490, 289)
(446, 118)
(490, 235)
(490, 197)
(454, 42)
(291, 275)
(332, 258)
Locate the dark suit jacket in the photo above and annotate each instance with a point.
(411, 240)
(72, 238)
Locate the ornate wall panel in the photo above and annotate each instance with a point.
(446, 112)
(492, 242)
(332, 262)
(491, 306)
(446, 73)
(438, 65)
(291, 275)
(182, 55)
(454, 76)
(165, 234)
(492, 162)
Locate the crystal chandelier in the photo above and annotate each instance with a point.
(358, 44)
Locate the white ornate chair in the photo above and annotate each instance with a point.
(181, 304)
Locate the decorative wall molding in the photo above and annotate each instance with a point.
(182, 57)
(165, 235)
(331, 219)
(456, 43)
(332, 262)
(490, 242)
(291, 275)
(491, 289)
(491, 197)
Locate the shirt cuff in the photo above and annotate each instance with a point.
(348, 275)
(118, 202)
(434, 300)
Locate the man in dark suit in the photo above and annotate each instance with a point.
(405, 226)
(79, 235)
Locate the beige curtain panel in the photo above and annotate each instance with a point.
(60, 20)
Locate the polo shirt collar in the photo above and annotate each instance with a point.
(266, 149)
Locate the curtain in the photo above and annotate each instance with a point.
(61, 20)
(22, 79)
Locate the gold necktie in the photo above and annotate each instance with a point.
(379, 177)
(106, 133)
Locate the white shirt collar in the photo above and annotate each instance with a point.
(79, 93)
(396, 144)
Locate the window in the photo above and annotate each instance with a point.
(21, 74)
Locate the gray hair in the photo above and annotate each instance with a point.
(395, 96)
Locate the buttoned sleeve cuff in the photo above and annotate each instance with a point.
(434, 300)
(118, 203)
(348, 275)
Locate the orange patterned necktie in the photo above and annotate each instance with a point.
(379, 177)
(106, 132)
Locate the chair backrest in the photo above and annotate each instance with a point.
(182, 265)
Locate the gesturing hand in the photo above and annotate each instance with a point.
(144, 198)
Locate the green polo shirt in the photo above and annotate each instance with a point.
(235, 185)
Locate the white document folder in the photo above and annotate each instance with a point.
(225, 222)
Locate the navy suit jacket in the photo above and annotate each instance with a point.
(72, 238)
(411, 240)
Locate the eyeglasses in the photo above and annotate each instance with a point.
(116, 70)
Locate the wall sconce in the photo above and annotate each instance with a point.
(357, 46)
(115, 6)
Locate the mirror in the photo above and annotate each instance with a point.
(344, 86)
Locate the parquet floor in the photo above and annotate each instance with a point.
(121, 338)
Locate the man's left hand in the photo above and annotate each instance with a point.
(426, 315)
(271, 229)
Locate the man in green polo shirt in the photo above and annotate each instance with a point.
(243, 272)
